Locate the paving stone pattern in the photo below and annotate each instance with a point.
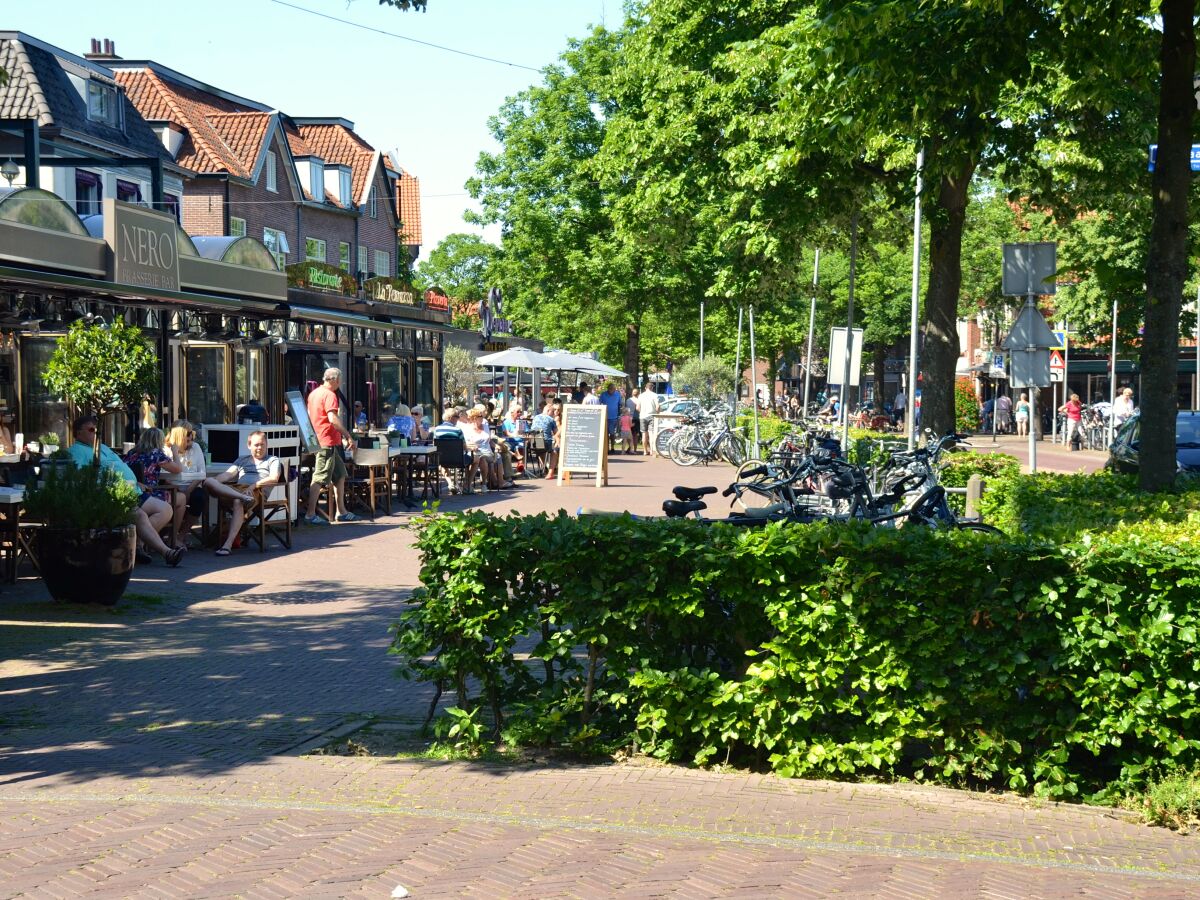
(149, 751)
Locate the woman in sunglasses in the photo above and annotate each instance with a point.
(180, 447)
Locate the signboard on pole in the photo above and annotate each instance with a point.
(584, 442)
(1029, 268)
(837, 356)
(1056, 360)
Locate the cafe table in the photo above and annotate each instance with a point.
(404, 459)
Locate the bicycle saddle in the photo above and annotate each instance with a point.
(687, 493)
(677, 509)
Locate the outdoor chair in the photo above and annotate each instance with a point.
(426, 472)
(271, 514)
(452, 457)
(370, 481)
(535, 454)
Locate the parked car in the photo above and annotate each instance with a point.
(1123, 454)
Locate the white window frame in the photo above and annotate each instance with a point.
(237, 226)
(271, 241)
(272, 177)
(383, 263)
(343, 256)
(345, 188)
(309, 243)
(316, 177)
(362, 259)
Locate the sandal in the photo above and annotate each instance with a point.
(221, 551)
(172, 557)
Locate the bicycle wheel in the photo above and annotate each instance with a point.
(687, 450)
(731, 450)
(980, 527)
(662, 441)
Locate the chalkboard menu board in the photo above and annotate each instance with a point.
(584, 442)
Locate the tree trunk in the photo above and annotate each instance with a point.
(633, 335)
(879, 355)
(941, 301)
(1167, 259)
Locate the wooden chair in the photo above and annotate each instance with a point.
(370, 481)
(271, 514)
(452, 459)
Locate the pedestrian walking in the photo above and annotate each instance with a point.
(1074, 412)
(324, 411)
(1023, 410)
(898, 407)
(1123, 408)
(647, 406)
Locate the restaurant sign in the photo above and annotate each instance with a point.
(390, 290)
(142, 243)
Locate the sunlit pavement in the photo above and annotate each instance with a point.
(151, 750)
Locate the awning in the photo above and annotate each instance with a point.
(110, 290)
(1100, 367)
(334, 317)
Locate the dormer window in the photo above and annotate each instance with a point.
(103, 103)
(344, 188)
(316, 180)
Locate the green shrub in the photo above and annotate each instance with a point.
(1172, 801)
(825, 650)
(992, 467)
(83, 497)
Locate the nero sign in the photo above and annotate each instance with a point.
(143, 246)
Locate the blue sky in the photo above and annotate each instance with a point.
(429, 106)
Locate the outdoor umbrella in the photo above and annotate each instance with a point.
(573, 362)
(517, 358)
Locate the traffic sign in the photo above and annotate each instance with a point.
(998, 361)
(1056, 375)
(1062, 339)
(1056, 360)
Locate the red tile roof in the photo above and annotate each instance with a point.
(408, 201)
(222, 136)
(338, 144)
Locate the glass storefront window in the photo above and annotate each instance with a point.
(205, 385)
(392, 385)
(247, 376)
(427, 384)
(44, 412)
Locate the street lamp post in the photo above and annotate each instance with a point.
(913, 363)
(812, 318)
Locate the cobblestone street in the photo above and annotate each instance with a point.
(156, 750)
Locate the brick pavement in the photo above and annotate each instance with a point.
(143, 753)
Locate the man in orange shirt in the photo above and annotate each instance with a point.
(330, 468)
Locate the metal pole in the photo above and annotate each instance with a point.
(1066, 358)
(1033, 404)
(1112, 381)
(702, 329)
(737, 363)
(753, 382)
(812, 318)
(1197, 404)
(849, 334)
(913, 363)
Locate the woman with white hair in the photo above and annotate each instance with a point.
(478, 439)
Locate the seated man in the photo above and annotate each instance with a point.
(253, 412)
(152, 514)
(238, 484)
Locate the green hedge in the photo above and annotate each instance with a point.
(1060, 669)
(992, 467)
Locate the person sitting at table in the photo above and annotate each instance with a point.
(236, 486)
(514, 432)
(360, 417)
(546, 424)
(421, 423)
(401, 422)
(478, 440)
(151, 514)
(181, 447)
(149, 458)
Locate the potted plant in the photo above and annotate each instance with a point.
(87, 546)
(88, 540)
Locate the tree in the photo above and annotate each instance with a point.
(102, 368)
(705, 379)
(567, 275)
(406, 5)
(460, 266)
(461, 373)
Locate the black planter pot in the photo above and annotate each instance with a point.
(87, 566)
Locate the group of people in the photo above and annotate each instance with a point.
(628, 418)
(174, 512)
